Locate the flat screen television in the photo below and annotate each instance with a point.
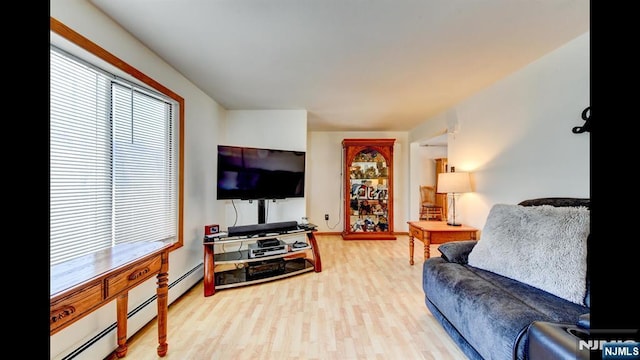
(246, 173)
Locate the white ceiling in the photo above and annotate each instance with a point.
(354, 65)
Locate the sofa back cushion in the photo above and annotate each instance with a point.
(543, 246)
(567, 201)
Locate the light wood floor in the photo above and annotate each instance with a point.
(367, 303)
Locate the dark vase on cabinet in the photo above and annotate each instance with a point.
(368, 186)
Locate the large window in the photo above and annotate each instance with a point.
(114, 160)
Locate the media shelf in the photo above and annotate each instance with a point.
(235, 267)
(243, 276)
(242, 256)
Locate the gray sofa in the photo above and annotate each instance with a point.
(530, 270)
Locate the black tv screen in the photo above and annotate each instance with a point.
(247, 173)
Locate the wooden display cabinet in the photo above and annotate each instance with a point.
(368, 189)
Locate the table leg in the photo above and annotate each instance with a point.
(121, 308)
(209, 272)
(427, 244)
(162, 291)
(317, 261)
(411, 245)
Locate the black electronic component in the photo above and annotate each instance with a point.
(299, 244)
(256, 229)
(268, 242)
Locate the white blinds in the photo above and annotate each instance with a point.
(145, 195)
(113, 161)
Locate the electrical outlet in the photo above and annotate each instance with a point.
(326, 216)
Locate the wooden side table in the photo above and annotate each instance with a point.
(436, 232)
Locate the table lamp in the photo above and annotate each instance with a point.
(453, 183)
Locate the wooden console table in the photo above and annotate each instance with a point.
(436, 232)
(81, 286)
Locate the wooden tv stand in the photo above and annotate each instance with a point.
(233, 266)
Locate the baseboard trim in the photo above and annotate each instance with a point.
(340, 233)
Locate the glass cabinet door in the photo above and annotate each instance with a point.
(369, 192)
(369, 189)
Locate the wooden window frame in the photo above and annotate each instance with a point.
(97, 51)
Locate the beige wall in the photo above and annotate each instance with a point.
(272, 129)
(515, 137)
(325, 177)
(203, 125)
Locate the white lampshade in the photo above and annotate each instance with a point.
(454, 182)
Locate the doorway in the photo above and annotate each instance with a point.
(424, 170)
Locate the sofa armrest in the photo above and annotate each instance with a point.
(584, 321)
(457, 251)
(548, 340)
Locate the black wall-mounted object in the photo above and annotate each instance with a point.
(586, 116)
(246, 173)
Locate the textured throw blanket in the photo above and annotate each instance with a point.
(543, 246)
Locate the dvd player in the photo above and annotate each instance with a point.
(255, 250)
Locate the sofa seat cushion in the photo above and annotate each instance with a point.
(489, 310)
